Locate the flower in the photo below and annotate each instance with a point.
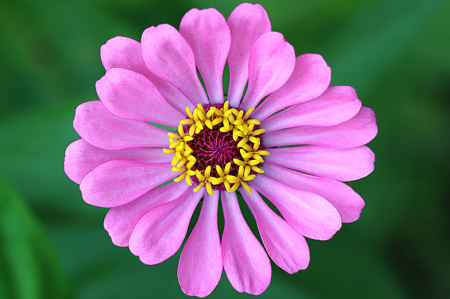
(216, 146)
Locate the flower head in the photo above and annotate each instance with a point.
(155, 123)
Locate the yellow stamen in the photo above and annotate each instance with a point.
(264, 153)
(168, 151)
(232, 120)
(209, 189)
(178, 155)
(192, 130)
(211, 112)
(217, 121)
(249, 111)
(257, 169)
(242, 142)
(200, 107)
(180, 178)
(208, 123)
(253, 122)
(200, 186)
(186, 122)
(246, 187)
(257, 132)
(174, 161)
(189, 113)
(174, 136)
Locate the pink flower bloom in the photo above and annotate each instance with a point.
(220, 148)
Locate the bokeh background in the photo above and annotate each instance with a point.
(396, 53)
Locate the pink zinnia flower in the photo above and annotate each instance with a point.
(220, 148)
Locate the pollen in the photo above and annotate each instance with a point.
(219, 147)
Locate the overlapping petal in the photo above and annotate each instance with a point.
(208, 34)
(247, 22)
(271, 63)
(337, 164)
(310, 78)
(160, 232)
(120, 221)
(81, 158)
(357, 131)
(118, 182)
(123, 52)
(336, 105)
(287, 248)
(99, 127)
(168, 55)
(308, 213)
(200, 266)
(346, 201)
(244, 259)
(131, 95)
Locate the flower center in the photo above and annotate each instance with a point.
(218, 147)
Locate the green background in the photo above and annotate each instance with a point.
(396, 54)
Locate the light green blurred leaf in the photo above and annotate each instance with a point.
(29, 265)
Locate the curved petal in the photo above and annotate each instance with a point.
(81, 158)
(118, 182)
(336, 105)
(131, 95)
(200, 266)
(208, 34)
(270, 65)
(311, 77)
(287, 248)
(168, 55)
(95, 124)
(160, 232)
(308, 213)
(244, 259)
(346, 201)
(357, 131)
(123, 52)
(337, 164)
(247, 23)
(120, 221)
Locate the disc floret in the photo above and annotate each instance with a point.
(218, 147)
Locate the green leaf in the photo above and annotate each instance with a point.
(29, 267)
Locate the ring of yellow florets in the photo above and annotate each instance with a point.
(218, 147)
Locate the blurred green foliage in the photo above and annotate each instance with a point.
(396, 53)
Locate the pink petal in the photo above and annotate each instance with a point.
(120, 221)
(208, 34)
(337, 164)
(308, 213)
(160, 232)
(95, 124)
(336, 105)
(118, 182)
(125, 53)
(357, 131)
(81, 158)
(244, 259)
(271, 63)
(247, 23)
(131, 95)
(168, 55)
(310, 79)
(346, 201)
(287, 248)
(200, 266)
